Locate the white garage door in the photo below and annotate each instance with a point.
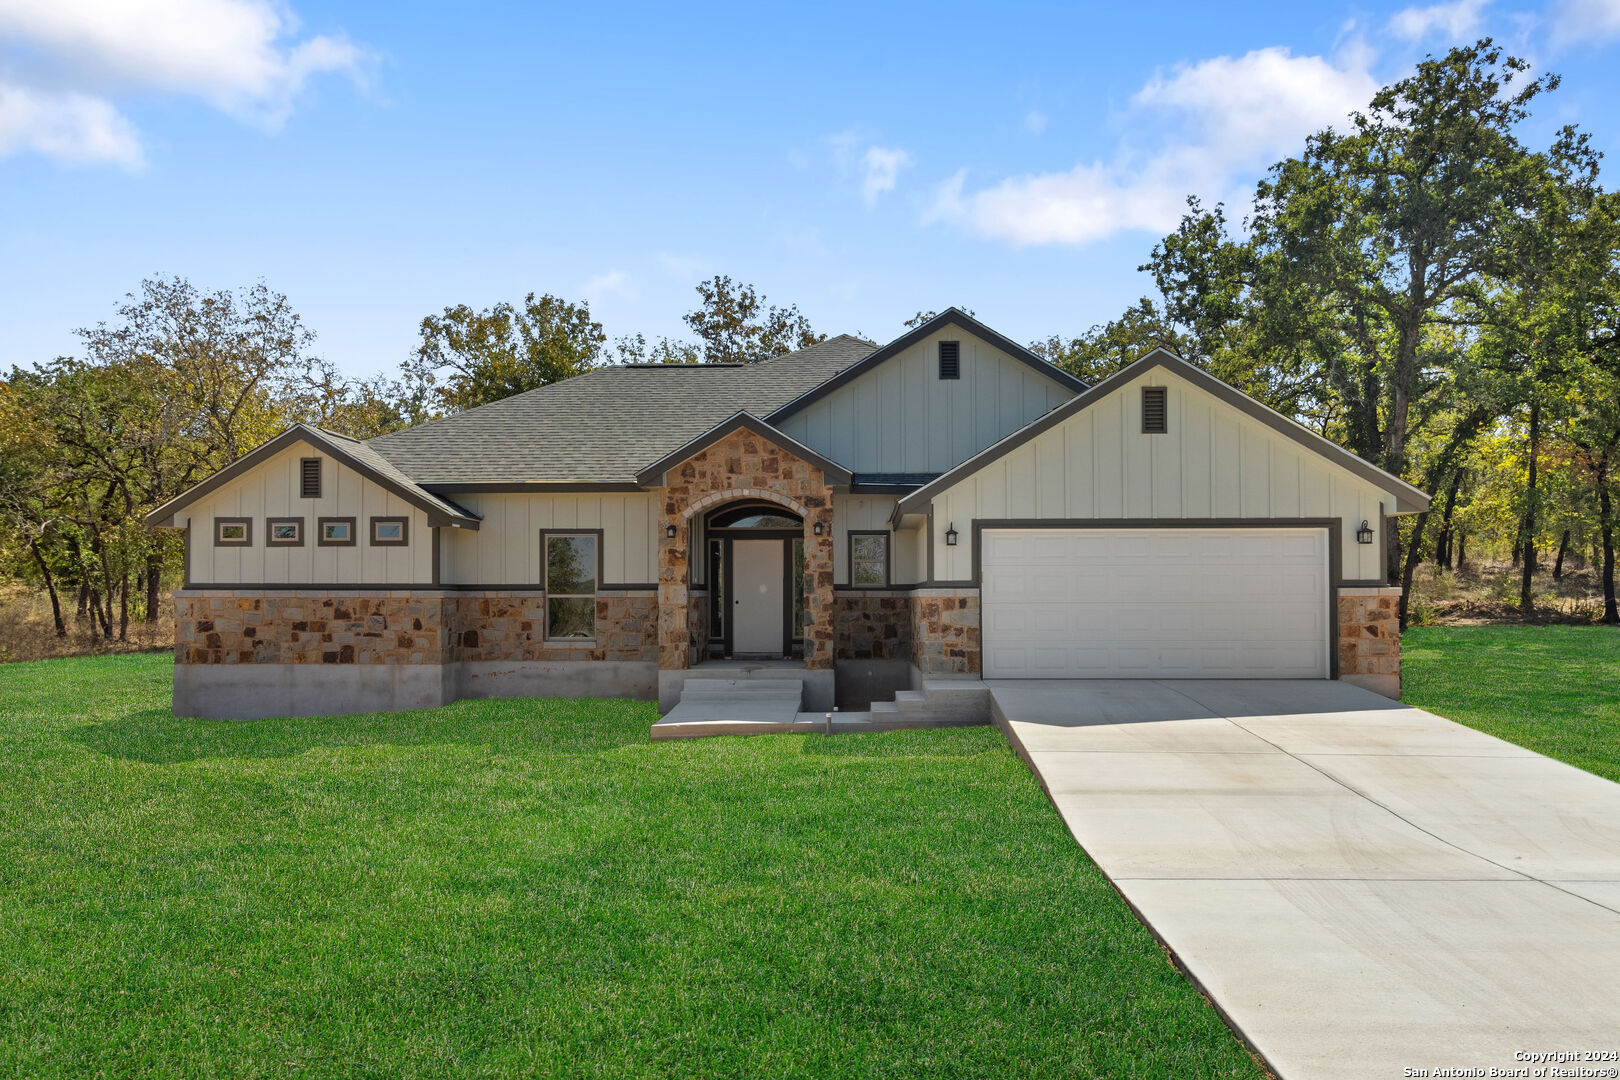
(1154, 603)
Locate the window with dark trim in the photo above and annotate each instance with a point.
(335, 532)
(869, 559)
(233, 532)
(390, 531)
(1155, 410)
(284, 532)
(309, 478)
(950, 359)
(571, 572)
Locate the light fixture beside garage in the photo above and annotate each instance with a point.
(950, 535)
(1364, 535)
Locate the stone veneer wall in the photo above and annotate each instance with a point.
(241, 626)
(872, 625)
(945, 631)
(697, 625)
(744, 466)
(1370, 638)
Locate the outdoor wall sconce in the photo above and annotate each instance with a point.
(819, 528)
(1364, 535)
(950, 535)
(670, 531)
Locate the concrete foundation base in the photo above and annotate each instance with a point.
(256, 691)
(558, 678)
(1388, 685)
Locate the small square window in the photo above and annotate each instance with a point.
(336, 532)
(869, 559)
(389, 532)
(233, 532)
(284, 532)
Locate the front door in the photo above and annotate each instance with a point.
(758, 614)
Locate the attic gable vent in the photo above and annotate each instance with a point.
(309, 475)
(1155, 411)
(950, 359)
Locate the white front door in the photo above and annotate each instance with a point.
(757, 612)
(1190, 603)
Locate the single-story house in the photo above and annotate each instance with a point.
(948, 504)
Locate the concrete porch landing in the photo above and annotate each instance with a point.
(769, 700)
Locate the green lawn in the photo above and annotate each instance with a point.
(528, 887)
(1553, 689)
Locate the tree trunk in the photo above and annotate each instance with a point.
(1563, 549)
(123, 608)
(1414, 552)
(50, 587)
(1527, 529)
(154, 581)
(1442, 547)
(84, 599)
(1462, 555)
(1611, 614)
(95, 615)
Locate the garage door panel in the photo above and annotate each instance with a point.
(1155, 603)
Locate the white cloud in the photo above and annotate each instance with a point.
(1454, 21)
(1585, 21)
(243, 57)
(606, 284)
(74, 129)
(1035, 122)
(880, 168)
(1216, 120)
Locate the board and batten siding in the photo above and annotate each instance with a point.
(901, 417)
(271, 489)
(505, 550)
(868, 513)
(1214, 462)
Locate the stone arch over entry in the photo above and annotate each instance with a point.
(743, 465)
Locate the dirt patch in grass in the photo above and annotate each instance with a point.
(1488, 595)
(27, 631)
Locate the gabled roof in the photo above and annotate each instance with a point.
(602, 427)
(831, 470)
(1409, 499)
(351, 452)
(948, 317)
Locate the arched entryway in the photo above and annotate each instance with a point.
(754, 563)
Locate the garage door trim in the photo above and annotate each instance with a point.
(1333, 527)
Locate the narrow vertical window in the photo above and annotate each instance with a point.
(950, 359)
(570, 585)
(309, 478)
(1155, 410)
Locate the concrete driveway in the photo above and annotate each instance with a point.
(1362, 887)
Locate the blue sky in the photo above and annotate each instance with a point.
(377, 162)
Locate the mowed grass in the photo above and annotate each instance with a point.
(532, 888)
(1551, 689)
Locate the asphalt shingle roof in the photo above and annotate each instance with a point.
(604, 426)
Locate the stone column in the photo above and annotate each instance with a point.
(674, 641)
(1370, 639)
(819, 594)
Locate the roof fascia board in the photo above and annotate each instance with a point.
(1409, 499)
(163, 516)
(948, 317)
(831, 471)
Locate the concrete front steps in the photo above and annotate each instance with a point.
(773, 705)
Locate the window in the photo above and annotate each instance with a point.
(309, 478)
(950, 359)
(284, 532)
(335, 532)
(571, 569)
(233, 532)
(1155, 410)
(868, 559)
(389, 532)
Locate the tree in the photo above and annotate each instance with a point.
(923, 316)
(467, 358)
(634, 349)
(735, 326)
(1107, 347)
(1393, 225)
